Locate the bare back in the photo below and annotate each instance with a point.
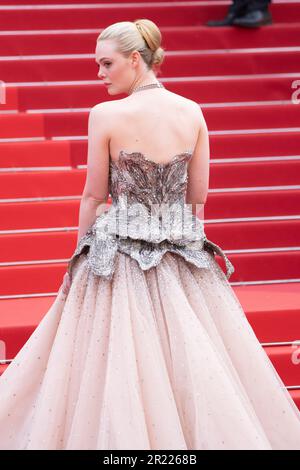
(158, 123)
(155, 123)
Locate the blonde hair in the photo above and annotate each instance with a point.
(142, 35)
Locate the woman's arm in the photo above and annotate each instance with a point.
(95, 193)
(89, 209)
(198, 170)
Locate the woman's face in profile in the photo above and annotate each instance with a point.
(114, 68)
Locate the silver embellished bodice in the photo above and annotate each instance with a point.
(148, 217)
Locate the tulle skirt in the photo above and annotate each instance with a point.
(157, 359)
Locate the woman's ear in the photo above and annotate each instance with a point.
(135, 58)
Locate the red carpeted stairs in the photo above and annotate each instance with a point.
(247, 83)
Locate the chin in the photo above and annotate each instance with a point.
(114, 92)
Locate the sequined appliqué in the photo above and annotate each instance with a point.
(147, 218)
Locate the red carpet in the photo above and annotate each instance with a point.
(246, 83)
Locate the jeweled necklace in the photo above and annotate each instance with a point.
(151, 85)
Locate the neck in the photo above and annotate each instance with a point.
(145, 80)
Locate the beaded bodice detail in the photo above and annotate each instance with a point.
(147, 182)
(148, 217)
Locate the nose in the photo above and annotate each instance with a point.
(100, 74)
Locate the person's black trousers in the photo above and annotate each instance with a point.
(243, 6)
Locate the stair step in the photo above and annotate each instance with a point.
(200, 89)
(224, 175)
(166, 14)
(250, 145)
(41, 154)
(66, 152)
(174, 38)
(22, 125)
(272, 310)
(64, 213)
(17, 247)
(284, 359)
(42, 184)
(249, 267)
(194, 63)
(218, 118)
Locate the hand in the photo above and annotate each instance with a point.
(66, 284)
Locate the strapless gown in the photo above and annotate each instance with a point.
(150, 348)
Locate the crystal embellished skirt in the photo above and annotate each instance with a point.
(157, 359)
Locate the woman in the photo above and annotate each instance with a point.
(146, 345)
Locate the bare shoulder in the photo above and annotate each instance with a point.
(108, 110)
(103, 107)
(195, 109)
(192, 108)
(101, 116)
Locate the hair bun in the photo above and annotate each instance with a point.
(140, 29)
(152, 37)
(158, 56)
(141, 34)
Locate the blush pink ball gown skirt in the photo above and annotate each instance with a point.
(155, 358)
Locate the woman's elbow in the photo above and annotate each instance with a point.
(199, 198)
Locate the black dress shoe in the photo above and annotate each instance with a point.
(253, 19)
(228, 20)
